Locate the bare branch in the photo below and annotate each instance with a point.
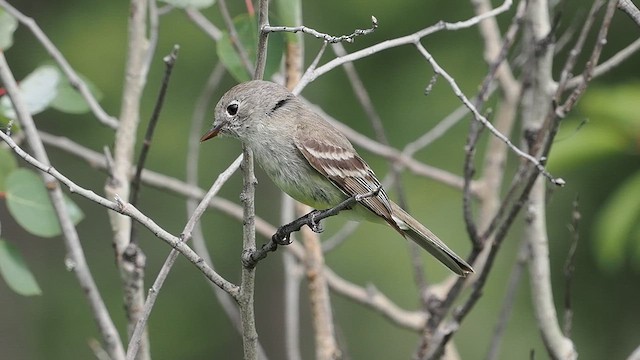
(377, 301)
(169, 62)
(484, 121)
(404, 40)
(630, 9)
(609, 64)
(203, 23)
(326, 37)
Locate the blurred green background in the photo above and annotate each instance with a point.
(600, 162)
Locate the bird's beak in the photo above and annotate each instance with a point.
(212, 133)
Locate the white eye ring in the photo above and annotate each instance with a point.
(232, 108)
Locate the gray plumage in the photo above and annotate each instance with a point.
(312, 161)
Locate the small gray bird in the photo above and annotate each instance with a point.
(309, 159)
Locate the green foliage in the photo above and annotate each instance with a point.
(8, 163)
(14, 271)
(198, 4)
(8, 25)
(246, 26)
(29, 204)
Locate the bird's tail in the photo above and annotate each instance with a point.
(429, 241)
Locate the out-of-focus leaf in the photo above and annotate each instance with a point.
(38, 89)
(616, 223)
(198, 4)
(29, 204)
(247, 29)
(576, 145)
(618, 106)
(8, 25)
(69, 100)
(8, 163)
(15, 272)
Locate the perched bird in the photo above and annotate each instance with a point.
(309, 159)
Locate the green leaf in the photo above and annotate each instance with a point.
(616, 223)
(38, 89)
(8, 163)
(69, 100)
(8, 25)
(198, 4)
(29, 204)
(247, 29)
(15, 272)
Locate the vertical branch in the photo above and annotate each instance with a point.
(536, 105)
(321, 311)
(569, 267)
(290, 11)
(292, 280)
(75, 254)
(261, 57)
(247, 282)
(129, 257)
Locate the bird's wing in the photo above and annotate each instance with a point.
(346, 170)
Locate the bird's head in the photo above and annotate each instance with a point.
(242, 108)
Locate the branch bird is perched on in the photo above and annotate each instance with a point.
(312, 161)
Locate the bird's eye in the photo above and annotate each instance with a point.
(232, 109)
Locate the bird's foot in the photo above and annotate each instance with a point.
(315, 225)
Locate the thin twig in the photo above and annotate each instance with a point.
(569, 268)
(609, 64)
(203, 23)
(326, 37)
(169, 62)
(404, 40)
(480, 118)
(234, 37)
(373, 298)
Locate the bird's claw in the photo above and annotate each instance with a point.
(315, 225)
(281, 239)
